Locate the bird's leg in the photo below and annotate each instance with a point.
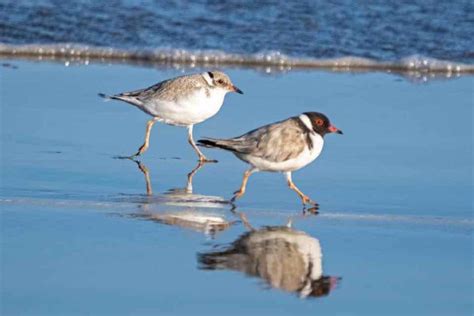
(243, 218)
(241, 191)
(146, 173)
(145, 145)
(201, 156)
(304, 198)
(189, 183)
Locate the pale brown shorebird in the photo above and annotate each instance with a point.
(181, 101)
(283, 146)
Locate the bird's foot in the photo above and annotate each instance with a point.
(237, 195)
(309, 206)
(307, 200)
(203, 159)
(137, 154)
(140, 151)
(131, 157)
(312, 210)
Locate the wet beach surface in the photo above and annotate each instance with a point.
(80, 234)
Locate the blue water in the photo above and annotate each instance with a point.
(79, 260)
(79, 234)
(380, 30)
(407, 148)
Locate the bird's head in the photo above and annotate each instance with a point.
(321, 124)
(321, 287)
(219, 79)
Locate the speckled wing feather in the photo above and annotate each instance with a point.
(275, 142)
(167, 90)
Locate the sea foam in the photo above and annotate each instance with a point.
(269, 60)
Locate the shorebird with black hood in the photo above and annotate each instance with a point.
(283, 146)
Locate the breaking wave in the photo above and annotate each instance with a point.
(271, 60)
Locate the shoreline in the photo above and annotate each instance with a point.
(410, 66)
(163, 203)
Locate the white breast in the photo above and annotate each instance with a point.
(191, 109)
(304, 158)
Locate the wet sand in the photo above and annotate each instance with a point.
(80, 234)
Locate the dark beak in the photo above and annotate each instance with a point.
(334, 129)
(235, 89)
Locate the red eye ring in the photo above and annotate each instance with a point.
(319, 122)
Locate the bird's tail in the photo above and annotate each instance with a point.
(216, 143)
(106, 96)
(122, 97)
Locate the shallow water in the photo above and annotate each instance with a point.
(80, 235)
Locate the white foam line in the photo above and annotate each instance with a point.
(413, 219)
(415, 63)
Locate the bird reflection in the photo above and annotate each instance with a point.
(283, 257)
(204, 222)
(188, 189)
(180, 207)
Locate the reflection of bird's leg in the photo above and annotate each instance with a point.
(304, 198)
(146, 172)
(189, 184)
(201, 156)
(145, 145)
(245, 221)
(243, 218)
(241, 191)
(312, 210)
(304, 214)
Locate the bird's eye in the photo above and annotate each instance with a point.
(220, 81)
(319, 122)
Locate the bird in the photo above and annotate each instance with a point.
(284, 258)
(181, 101)
(284, 146)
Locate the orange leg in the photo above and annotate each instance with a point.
(201, 156)
(241, 191)
(243, 218)
(146, 144)
(189, 183)
(305, 199)
(146, 173)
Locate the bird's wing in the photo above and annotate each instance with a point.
(275, 142)
(144, 94)
(168, 90)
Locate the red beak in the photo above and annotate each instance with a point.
(334, 129)
(333, 281)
